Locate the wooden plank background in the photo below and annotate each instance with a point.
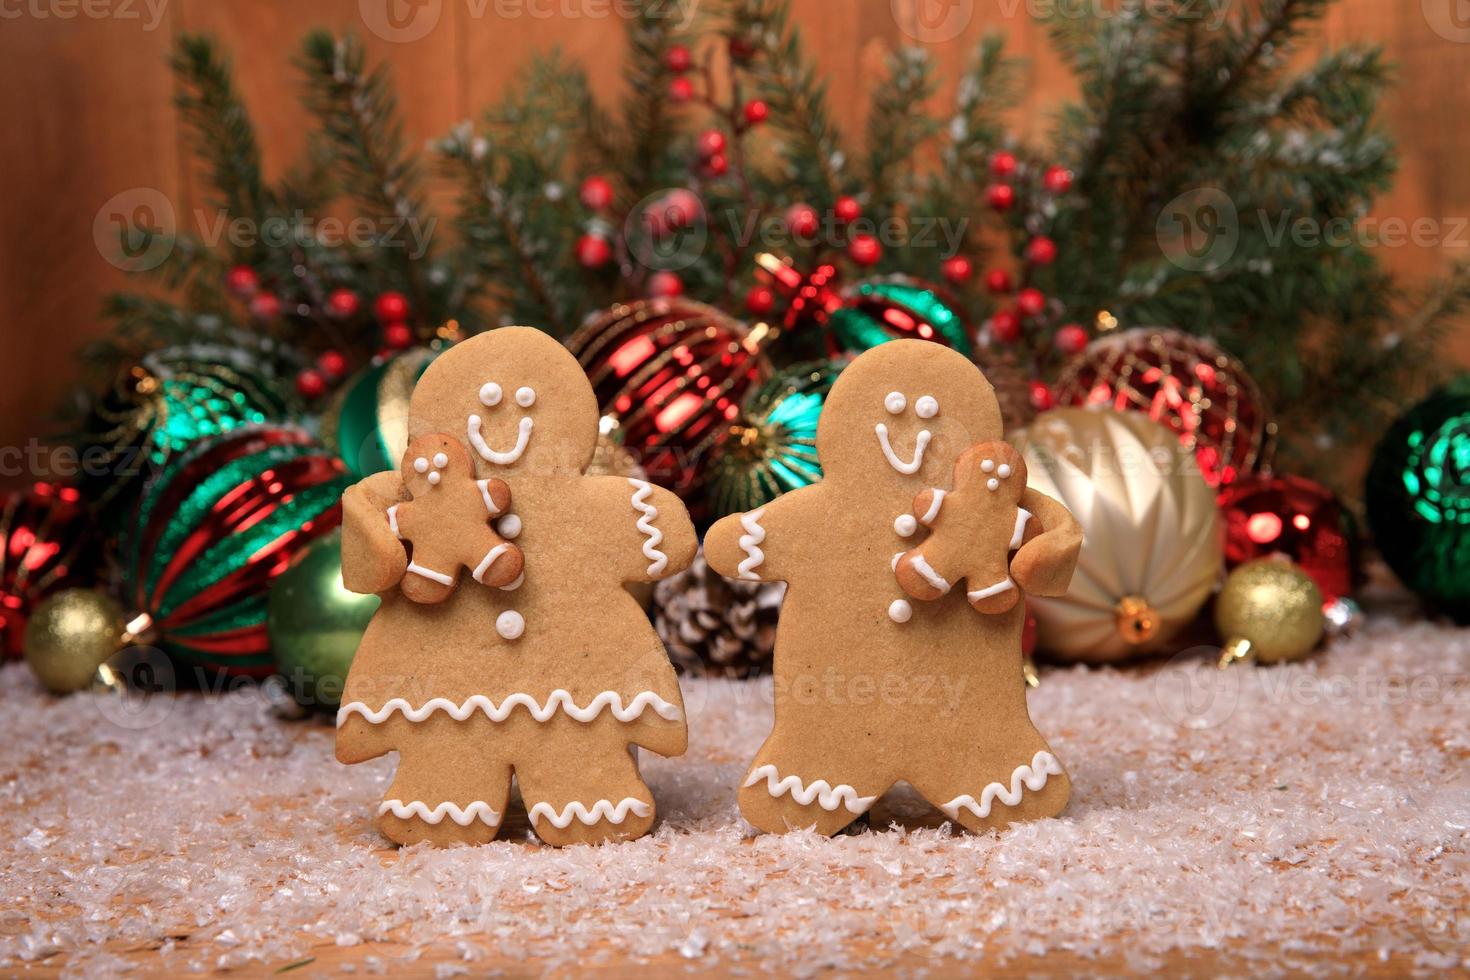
(85, 99)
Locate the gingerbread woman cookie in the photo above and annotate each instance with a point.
(551, 678)
(989, 480)
(447, 521)
(872, 687)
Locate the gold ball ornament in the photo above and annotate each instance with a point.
(70, 635)
(1269, 610)
(1152, 547)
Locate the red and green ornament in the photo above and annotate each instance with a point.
(212, 531)
(46, 544)
(881, 310)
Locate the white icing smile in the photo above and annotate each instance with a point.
(523, 439)
(921, 442)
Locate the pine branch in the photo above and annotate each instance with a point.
(899, 125)
(649, 122)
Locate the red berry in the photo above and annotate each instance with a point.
(593, 251)
(1005, 326)
(342, 304)
(717, 165)
(760, 300)
(1002, 197)
(397, 336)
(242, 281)
(847, 209)
(957, 269)
(998, 282)
(1041, 251)
(1003, 164)
(597, 192)
(1071, 338)
(864, 250)
(332, 364)
(1041, 397)
(1057, 180)
(756, 112)
(679, 208)
(710, 142)
(681, 89)
(742, 49)
(678, 58)
(311, 384)
(265, 306)
(391, 307)
(802, 220)
(665, 284)
(1031, 302)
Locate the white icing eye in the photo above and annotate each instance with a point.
(895, 402)
(441, 460)
(1004, 470)
(525, 397)
(421, 465)
(992, 483)
(926, 407)
(434, 479)
(905, 524)
(490, 394)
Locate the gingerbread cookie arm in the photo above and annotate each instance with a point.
(373, 559)
(646, 529)
(750, 546)
(1044, 564)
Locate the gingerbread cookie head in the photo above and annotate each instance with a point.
(517, 398)
(431, 459)
(900, 414)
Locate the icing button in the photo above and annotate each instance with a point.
(510, 624)
(905, 524)
(900, 611)
(509, 526)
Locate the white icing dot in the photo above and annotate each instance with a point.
(509, 526)
(992, 483)
(489, 394)
(510, 624)
(905, 524)
(441, 460)
(895, 402)
(421, 465)
(926, 407)
(988, 465)
(525, 397)
(1004, 470)
(434, 479)
(900, 611)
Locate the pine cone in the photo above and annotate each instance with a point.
(714, 626)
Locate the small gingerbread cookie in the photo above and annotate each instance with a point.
(447, 521)
(989, 479)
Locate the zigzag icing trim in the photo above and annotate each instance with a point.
(828, 797)
(750, 544)
(657, 560)
(1032, 777)
(559, 700)
(601, 810)
(478, 810)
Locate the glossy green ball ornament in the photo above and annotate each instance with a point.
(1418, 498)
(366, 422)
(772, 446)
(315, 624)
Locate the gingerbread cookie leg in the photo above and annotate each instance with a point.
(444, 804)
(554, 786)
(981, 796)
(792, 790)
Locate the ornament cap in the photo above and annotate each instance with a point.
(1137, 621)
(1236, 651)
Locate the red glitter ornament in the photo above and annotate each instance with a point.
(46, 544)
(1268, 516)
(1187, 383)
(811, 299)
(671, 374)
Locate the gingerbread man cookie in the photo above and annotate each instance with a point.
(872, 687)
(551, 678)
(447, 521)
(973, 530)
